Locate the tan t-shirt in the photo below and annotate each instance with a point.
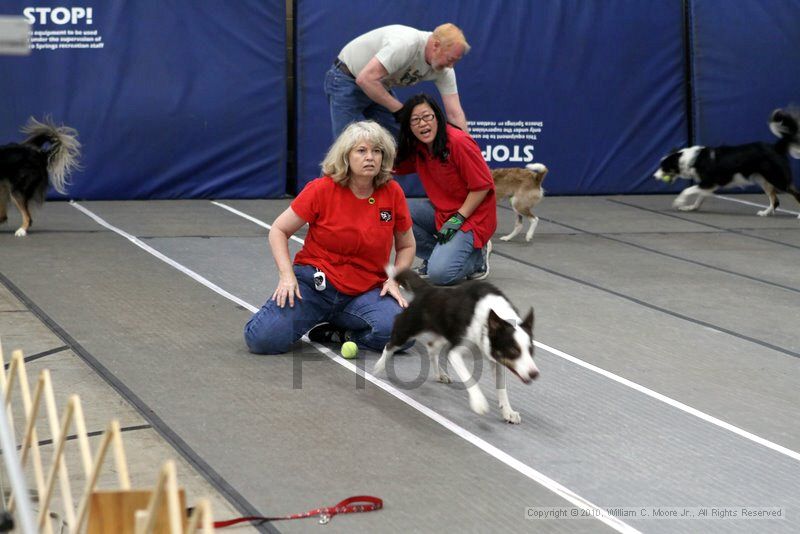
(401, 50)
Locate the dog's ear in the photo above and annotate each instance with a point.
(495, 322)
(527, 323)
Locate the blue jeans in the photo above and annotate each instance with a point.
(348, 103)
(369, 317)
(448, 263)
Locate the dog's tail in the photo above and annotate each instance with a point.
(537, 167)
(63, 152)
(785, 123)
(406, 278)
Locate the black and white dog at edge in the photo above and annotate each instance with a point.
(712, 168)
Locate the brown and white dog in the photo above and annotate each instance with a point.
(524, 186)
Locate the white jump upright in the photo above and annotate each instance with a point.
(14, 386)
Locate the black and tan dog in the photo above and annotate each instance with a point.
(48, 155)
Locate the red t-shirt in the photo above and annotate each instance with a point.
(448, 183)
(350, 239)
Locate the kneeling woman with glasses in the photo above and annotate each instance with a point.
(454, 225)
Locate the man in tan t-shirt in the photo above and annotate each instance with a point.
(359, 84)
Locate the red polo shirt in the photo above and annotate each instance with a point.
(448, 183)
(350, 239)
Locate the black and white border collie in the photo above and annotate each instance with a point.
(762, 163)
(48, 155)
(473, 315)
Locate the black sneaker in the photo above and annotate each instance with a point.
(327, 333)
(483, 272)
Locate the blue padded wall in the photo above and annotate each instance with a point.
(185, 98)
(605, 79)
(746, 62)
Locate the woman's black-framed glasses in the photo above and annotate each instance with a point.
(427, 117)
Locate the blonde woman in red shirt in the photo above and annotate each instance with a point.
(356, 215)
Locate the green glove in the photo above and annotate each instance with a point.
(449, 228)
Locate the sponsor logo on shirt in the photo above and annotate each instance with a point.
(410, 78)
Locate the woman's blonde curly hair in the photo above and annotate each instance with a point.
(336, 163)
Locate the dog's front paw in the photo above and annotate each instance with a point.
(379, 366)
(506, 238)
(479, 404)
(511, 416)
(686, 208)
(21, 232)
(766, 212)
(443, 378)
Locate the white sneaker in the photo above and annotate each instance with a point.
(422, 270)
(483, 273)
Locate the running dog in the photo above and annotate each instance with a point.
(49, 154)
(472, 315)
(524, 186)
(762, 163)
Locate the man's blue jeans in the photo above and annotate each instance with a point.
(369, 317)
(448, 263)
(348, 103)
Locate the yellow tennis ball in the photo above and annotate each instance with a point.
(349, 350)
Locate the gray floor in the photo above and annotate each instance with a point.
(668, 348)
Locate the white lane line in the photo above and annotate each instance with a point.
(596, 512)
(259, 222)
(756, 204)
(528, 471)
(649, 392)
(169, 261)
(672, 402)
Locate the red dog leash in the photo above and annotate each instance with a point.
(359, 503)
